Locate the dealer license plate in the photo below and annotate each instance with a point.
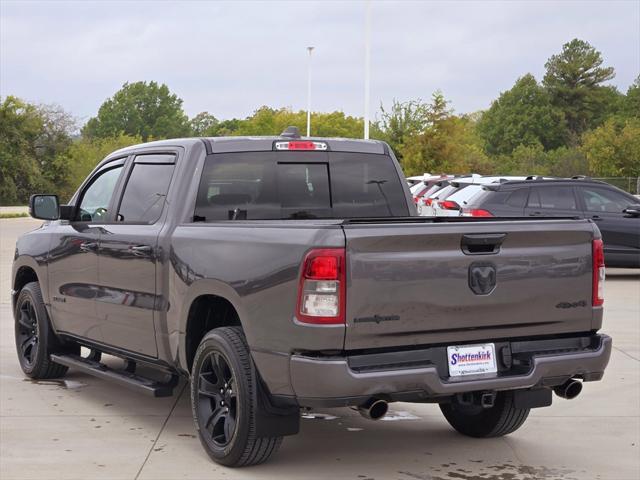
(471, 359)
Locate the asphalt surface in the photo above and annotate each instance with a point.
(85, 428)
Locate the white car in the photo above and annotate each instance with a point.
(449, 201)
(423, 203)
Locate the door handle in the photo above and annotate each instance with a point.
(535, 214)
(140, 249)
(482, 243)
(89, 246)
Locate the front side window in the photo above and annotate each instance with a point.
(602, 200)
(146, 190)
(96, 197)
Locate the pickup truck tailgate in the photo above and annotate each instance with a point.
(411, 284)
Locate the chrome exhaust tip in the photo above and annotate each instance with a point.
(374, 409)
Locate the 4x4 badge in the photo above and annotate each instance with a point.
(482, 278)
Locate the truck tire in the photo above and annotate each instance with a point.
(474, 421)
(35, 340)
(224, 400)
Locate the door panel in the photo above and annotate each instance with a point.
(620, 232)
(127, 293)
(73, 279)
(73, 256)
(128, 296)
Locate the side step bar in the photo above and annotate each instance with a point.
(123, 377)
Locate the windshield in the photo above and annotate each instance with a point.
(299, 185)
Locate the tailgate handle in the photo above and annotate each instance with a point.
(482, 243)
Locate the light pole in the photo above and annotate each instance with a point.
(310, 50)
(367, 66)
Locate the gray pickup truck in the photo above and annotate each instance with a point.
(283, 273)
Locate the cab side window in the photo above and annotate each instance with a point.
(96, 197)
(146, 189)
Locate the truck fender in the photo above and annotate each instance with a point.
(206, 287)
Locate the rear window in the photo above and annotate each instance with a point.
(444, 192)
(465, 195)
(298, 185)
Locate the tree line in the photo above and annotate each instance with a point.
(569, 123)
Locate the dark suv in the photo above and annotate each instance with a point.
(617, 213)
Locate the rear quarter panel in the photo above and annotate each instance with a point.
(256, 267)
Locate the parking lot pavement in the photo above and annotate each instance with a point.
(85, 428)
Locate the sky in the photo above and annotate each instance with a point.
(230, 58)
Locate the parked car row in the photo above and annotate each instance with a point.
(617, 213)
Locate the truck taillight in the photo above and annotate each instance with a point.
(598, 273)
(321, 295)
(476, 212)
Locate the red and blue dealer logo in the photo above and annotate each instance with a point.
(469, 358)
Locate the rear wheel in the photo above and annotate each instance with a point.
(35, 340)
(474, 421)
(224, 400)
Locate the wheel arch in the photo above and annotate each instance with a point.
(26, 270)
(208, 304)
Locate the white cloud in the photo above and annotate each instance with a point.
(230, 58)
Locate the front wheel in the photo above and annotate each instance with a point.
(35, 340)
(224, 400)
(474, 421)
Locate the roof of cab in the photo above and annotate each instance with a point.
(257, 144)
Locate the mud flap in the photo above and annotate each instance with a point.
(275, 417)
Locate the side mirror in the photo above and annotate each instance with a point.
(633, 210)
(44, 207)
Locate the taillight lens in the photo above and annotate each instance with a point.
(449, 205)
(598, 273)
(322, 296)
(428, 202)
(476, 212)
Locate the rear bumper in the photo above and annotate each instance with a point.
(421, 374)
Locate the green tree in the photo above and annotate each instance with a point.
(631, 103)
(574, 79)
(203, 124)
(20, 128)
(566, 162)
(147, 110)
(523, 115)
(271, 121)
(401, 122)
(446, 144)
(31, 136)
(614, 150)
(82, 156)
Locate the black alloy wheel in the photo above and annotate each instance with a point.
(217, 399)
(224, 400)
(35, 339)
(27, 333)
